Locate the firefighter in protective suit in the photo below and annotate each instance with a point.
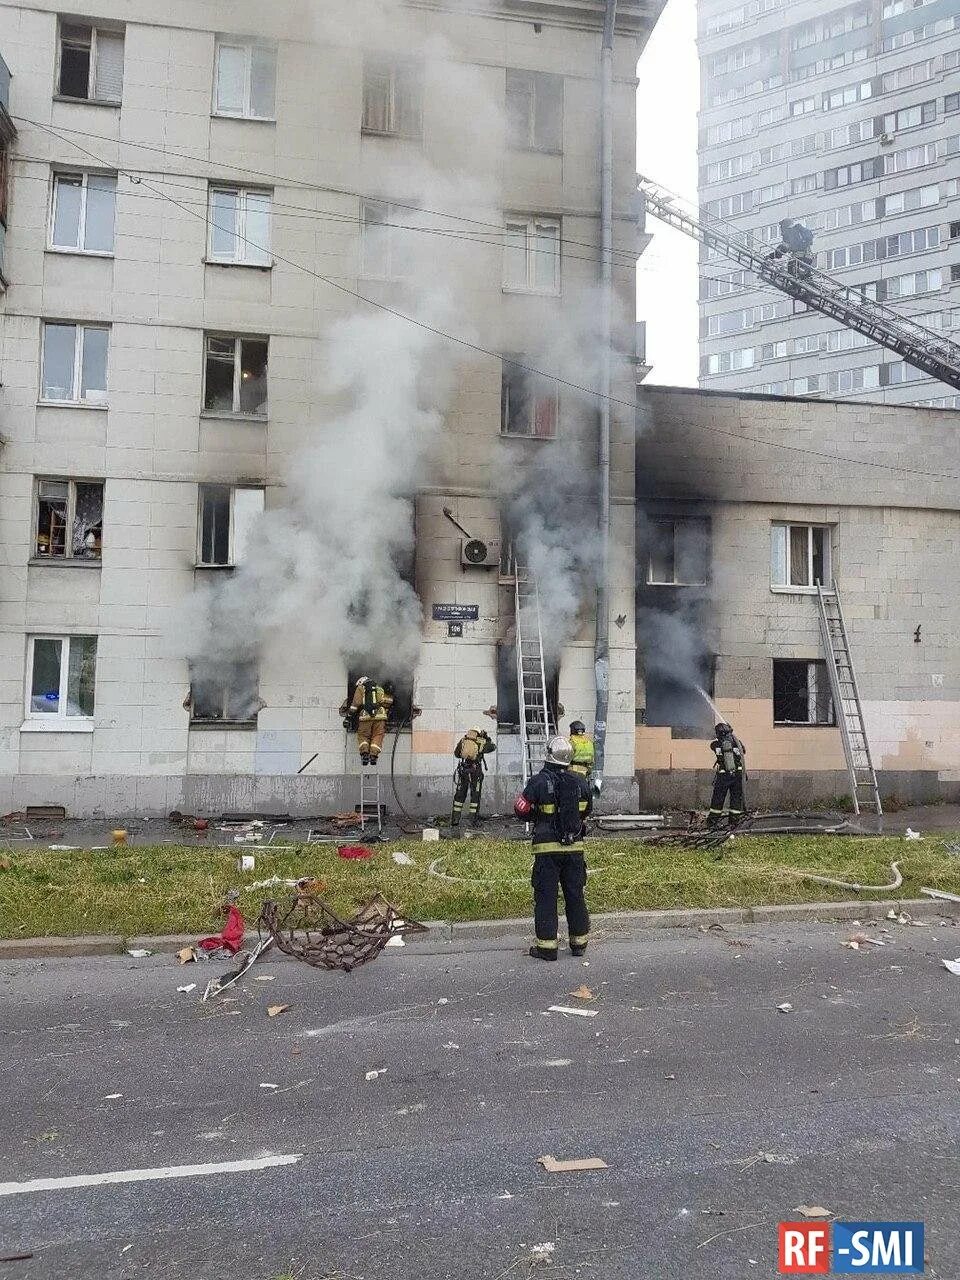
(557, 802)
(583, 751)
(471, 752)
(730, 756)
(368, 712)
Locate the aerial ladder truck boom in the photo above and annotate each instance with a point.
(789, 268)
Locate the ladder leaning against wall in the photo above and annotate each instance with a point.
(535, 727)
(846, 701)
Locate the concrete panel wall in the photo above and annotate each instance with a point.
(152, 446)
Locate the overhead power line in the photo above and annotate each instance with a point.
(475, 347)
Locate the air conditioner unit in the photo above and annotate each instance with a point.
(477, 554)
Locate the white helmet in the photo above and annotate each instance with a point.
(559, 751)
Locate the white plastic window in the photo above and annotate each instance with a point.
(240, 226)
(74, 364)
(83, 212)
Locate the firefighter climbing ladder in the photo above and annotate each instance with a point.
(535, 727)
(846, 700)
(921, 347)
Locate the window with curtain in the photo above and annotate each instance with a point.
(800, 557)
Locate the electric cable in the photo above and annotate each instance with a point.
(478, 349)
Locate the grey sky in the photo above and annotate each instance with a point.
(667, 102)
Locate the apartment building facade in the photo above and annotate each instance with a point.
(199, 197)
(846, 117)
(745, 502)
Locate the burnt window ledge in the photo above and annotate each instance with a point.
(69, 562)
(222, 724)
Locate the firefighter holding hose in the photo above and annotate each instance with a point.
(730, 766)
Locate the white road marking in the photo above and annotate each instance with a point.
(144, 1175)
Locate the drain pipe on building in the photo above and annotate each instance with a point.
(601, 652)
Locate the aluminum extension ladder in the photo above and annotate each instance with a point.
(535, 727)
(846, 700)
(363, 810)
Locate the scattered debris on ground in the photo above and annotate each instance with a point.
(542, 1252)
(191, 986)
(372, 1075)
(217, 985)
(857, 940)
(786, 1007)
(583, 992)
(308, 929)
(552, 1165)
(404, 860)
(813, 1211)
(953, 966)
(275, 1009)
(139, 953)
(565, 1008)
(230, 939)
(912, 835)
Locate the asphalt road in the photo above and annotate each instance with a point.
(687, 1073)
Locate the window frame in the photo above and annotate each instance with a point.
(247, 45)
(237, 339)
(232, 561)
(531, 144)
(393, 228)
(529, 224)
(392, 67)
(76, 401)
(84, 175)
(224, 720)
(95, 29)
(788, 588)
(58, 721)
(243, 244)
(819, 664)
(675, 522)
(69, 556)
(520, 365)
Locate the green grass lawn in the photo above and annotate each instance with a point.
(174, 889)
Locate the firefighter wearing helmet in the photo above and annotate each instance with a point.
(557, 802)
(583, 752)
(471, 752)
(730, 766)
(368, 712)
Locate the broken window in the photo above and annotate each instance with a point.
(74, 363)
(800, 556)
(69, 519)
(61, 677)
(230, 694)
(673, 699)
(240, 219)
(535, 111)
(531, 255)
(91, 63)
(246, 79)
(235, 375)
(678, 552)
(801, 692)
(83, 212)
(508, 693)
(227, 515)
(386, 246)
(392, 98)
(529, 402)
